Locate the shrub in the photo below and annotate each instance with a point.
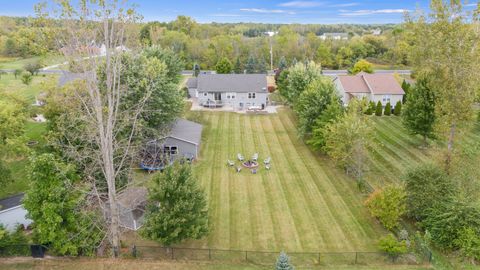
(26, 78)
(394, 248)
(388, 205)
(379, 109)
(388, 109)
(398, 109)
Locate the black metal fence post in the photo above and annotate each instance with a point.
(246, 255)
(356, 257)
(134, 251)
(319, 258)
(210, 254)
(173, 256)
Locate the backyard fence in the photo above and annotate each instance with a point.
(239, 256)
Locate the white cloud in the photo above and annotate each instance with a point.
(344, 5)
(266, 11)
(301, 4)
(365, 12)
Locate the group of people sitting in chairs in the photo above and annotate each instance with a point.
(251, 164)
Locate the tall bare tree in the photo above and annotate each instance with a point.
(94, 41)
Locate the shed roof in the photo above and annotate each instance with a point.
(186, 131)
(240, 83)
(11, 202)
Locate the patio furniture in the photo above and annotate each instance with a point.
(239, 169)
(230, 163)
(267, 161)
(255, 157)
(267, 167)
(240, 157)
(254, 171)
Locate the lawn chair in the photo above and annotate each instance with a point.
(239, 169)
(254, 171)
(267, 161)
(230, 163)
(240, 157)
(255, 157)
(267, 167)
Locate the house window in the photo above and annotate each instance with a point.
(231, 95)
(251, 95)
(386, 98)
(205, 94)
(170, 150)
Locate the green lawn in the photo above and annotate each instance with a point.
(302, 204)
(395, 150)
(8, 84)
(19, 63)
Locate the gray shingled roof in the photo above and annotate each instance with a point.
(192, 83)
(240, 83)
(11, 202)
(187, 131)
(69, 77)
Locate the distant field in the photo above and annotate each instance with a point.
(19, 63)
(302, 204)
(8, 84)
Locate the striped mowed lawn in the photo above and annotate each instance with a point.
(302, 204)
(395, 150)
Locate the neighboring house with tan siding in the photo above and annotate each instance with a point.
(373, 87)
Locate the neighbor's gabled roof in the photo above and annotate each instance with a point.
(192, 83)
(371, 83)
(186, 131)
(240, 83)
(11, 202)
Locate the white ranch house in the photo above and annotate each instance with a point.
(239, 91)
(373, 87)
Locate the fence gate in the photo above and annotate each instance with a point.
(38, 251)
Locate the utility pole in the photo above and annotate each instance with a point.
(271, 54)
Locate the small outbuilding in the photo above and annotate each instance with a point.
(12, 212)
(183, 140)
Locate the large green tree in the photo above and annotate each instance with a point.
(299, 77)
(424, 186)
(54, 203)
(224, 66)
(347, 139)
(419, 112)
(177, 208)
(362, 66)
(312, 103)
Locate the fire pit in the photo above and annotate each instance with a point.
(250, 164)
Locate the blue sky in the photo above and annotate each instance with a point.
(265, 11)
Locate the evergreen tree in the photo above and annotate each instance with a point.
(238, 67)
(177, 208)
(261, 66)
(282, 64)
(294, 62)
(224, 66)
(406, 88)
(251, 65)
(398, 108)
(196, 69)
(283, 262)
(379, 109)
(372, 107)
(419, 112)
(388, 109)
